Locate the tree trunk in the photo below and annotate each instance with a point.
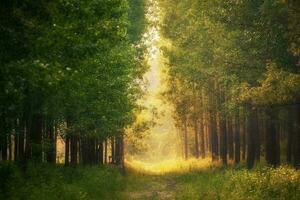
(297, 137)
(223, 139)
(4, 147)
(79, 150)
(243, 129)
(51, 152)
(196, 145)
(74, 150)
(257, 138)
(202, 138)
(213, 136)
(185, 140)
(16, 143)
(101, 152)
(21, 141)
(237, 145)
(251, 129)
(272, 139)
(230, 138)
(36, 138)
(113, 155)
(105, 151)
(67, 150)
(290, 133)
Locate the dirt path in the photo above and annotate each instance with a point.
(151, 187)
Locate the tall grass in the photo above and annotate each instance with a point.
(47, 182)
(264, 183)
(183, 180)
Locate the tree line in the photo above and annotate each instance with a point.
(234, 78)
(68, 69)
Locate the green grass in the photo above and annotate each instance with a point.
(47, 182)
(107, 183)
(263, 183)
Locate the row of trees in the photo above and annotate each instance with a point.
(234, 78)
(69, 68)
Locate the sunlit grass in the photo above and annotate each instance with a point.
(170, 166)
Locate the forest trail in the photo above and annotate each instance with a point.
(151, 187)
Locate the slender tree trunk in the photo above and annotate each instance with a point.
(243, 129)
(67, 150)
(51, 152)
(3, 137)
(272, 139)
(74, 149)
(289, 143)
(251, 129)
(119, 150)
(21, 141)
(4, 147)
(297, 137)
(257, 138)
(214, 137)
(101, 160)
(105, 151)
(79, 150)
(16, 143)
(196, 145)
(223, 140)
(202, 138)
(230, 138)
(113, 155)
(28, 139)
(84, 146)
(37, 131)
(185, 140)
(122, 154)
(237, 143)
(222, 129)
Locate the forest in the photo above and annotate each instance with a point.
(150, 99)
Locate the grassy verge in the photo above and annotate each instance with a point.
(183, 183)
(258, 184)
(56, 182)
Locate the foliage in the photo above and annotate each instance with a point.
(55, 182)
(72, 64)
(260, 183)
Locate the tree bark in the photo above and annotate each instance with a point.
(223, 140)
(105, 151)
(74, 149)
(113, 154)
(237, 143)
(297, 137)
(196, 144)
(67, 150)
(202, 137)
(243, 129)
(251, 129)
(51, 152)
(185, 140)
(101, 160)
(36, 137)
(272, 139)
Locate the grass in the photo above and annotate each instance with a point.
(48, 182)
(180, 180)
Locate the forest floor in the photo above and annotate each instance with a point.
(169, 180)
(200, 179)
(151, 187)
